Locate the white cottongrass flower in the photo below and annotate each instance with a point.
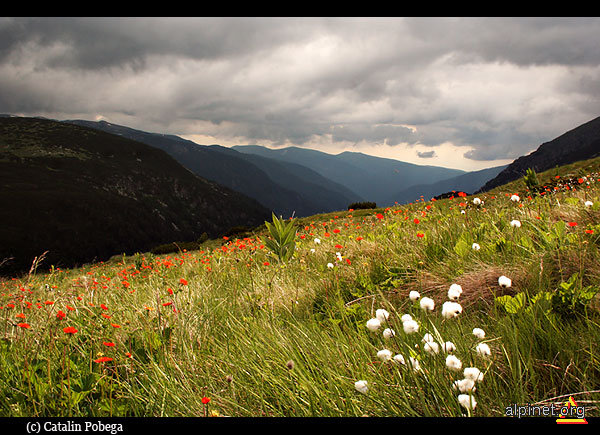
(515, 198)
(479, 333)
(462, 212)
(473, 373)
(373, 324)
(467, 401)
(414, 363)
(453, 363)
(361, 386)
(448, 347)
(454, 292)
(427, 338)
(515, 223)
(414, 295)
(399, 359)
(384, 355)
(476, 201)
(410, 326)
(464, 385)
(451, 309)
(317, 241)
(382, 315)
(427, 304)
(476, 246)
(313, 250)
(431, 347)
(330, 265)
(588, 203)
(504, 281)
(406, 318)
(339, 256)
(388, 333)
(484, 350)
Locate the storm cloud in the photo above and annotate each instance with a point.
(492, 89)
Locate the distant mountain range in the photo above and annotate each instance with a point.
(84, 195)
(580, 143)
(372, 178)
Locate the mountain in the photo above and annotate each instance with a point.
(285, 188)
(581, 143)
(372, 178)
(469, 182)
(83, 194)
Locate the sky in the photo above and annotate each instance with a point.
(466, 93)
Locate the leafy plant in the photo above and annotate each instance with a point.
(571, 299)
(282, 242)
(530, 179)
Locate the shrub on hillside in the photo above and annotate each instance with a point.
(362, 205)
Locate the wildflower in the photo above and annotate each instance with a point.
(330, 265)
(290, 365)
(572, 224)
(427, 304)
(589, 231)
(476, 247)
(399, 359)
(476, 201)
(388, 333)
(588, 203)
(205, 400)
(415, 364)
(317, 241)
(515, 223)
(473, 373)
(467, 401)
(484, 350)
(454, 292)
(431, 347)
(166, 304)
(69, 330)
(361, 386)
(515, 198)
(183, 281)
(410, 326)
(266, 263)
(104, 307)
(373, 324)
(479, 333)
(313, 250)
(382, 315)
(414, 295)
(505, 282)
(103, 359)
(451, 309)
(448, 347)
(108, 343)
(464, 385)
(427, 338)
(416, 221)
(453, 363)
(60, 315)
(24, 325)
(384, 355)
(406, 318)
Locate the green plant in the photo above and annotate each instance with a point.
(282, 238)
(571, 298)
(530, 179)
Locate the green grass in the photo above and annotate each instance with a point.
(259, 337)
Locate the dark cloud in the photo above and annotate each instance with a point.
(426, 154)
(497, 86)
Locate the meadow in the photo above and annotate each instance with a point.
(457, 307)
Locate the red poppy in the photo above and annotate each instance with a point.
(205, 400)
(69, 330)
(24, 325)
(339, 247)
(20, 316)
(336, 231)
(104, 307)
(420, 235)
(589, 231)
(108, 343)
(266, 263)
(103, 359)
(416, 221)
(70, 308)
(572, 224)
(379, 216)
(61, 315)
(183, 281)
(166, 304)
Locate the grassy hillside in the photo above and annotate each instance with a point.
(84, 195)
(230, 330)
